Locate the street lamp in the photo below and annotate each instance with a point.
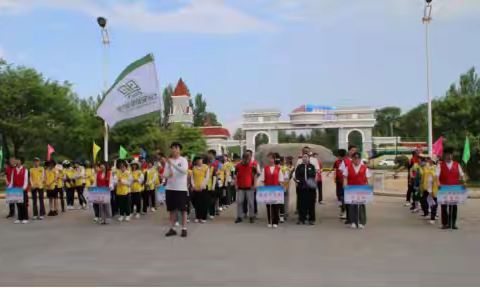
(427, 17)
(102, 22)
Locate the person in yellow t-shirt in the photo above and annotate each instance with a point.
(199, 194)
(37, 180)
(60, 186)
(79, 176)
(137, 187)
(221, 179)
(228, 180)
(51, 178)
(123, 180)
(151, 183)
(69, 183)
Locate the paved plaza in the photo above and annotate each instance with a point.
(396, 248)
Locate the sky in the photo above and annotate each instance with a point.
(252, 54)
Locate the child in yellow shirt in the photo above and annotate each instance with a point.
(137, 187)
(51, 179)
(123, 180)
(37, 179)
(151, 183)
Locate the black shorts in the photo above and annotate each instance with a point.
(51, 194)
(176, 200)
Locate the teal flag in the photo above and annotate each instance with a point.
(466, 151)
(122, 154)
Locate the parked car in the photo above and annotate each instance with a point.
(386, 162)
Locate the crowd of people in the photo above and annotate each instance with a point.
(426, 175)
(204, 187)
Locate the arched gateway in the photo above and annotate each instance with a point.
(308, 117)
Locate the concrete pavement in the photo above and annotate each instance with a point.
(396, 248)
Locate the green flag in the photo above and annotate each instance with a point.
(122, 154)
(1, 158)
(466, 151)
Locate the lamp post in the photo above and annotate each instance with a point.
(427, 17)
(102, 22)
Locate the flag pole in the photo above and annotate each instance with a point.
(106, 44)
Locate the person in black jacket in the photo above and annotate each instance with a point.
(305, 176)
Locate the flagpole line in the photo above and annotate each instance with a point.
(158, 91)
(106, 45)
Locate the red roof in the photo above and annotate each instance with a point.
(181, 89)
(300, 109)
(215, 131)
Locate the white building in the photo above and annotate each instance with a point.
(181, 111)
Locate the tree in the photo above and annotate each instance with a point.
(167, 104)
(212, 119)
(385, 117)
(239, 134)
(199, 111)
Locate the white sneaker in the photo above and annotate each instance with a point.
(153, 209)
(40, 218)
(95, 219)
(361, 226)
(415, 210)
(211, 217)
(196, 221)
(127, 219)
(177, 224)
(343, 215)
(120, 219)
(17, 222)
(25, 222)
(137, 215)
(282, 219)
(84, 207)
(407, 204)
(269, 225)
(34, 217)
(203, 221)
(275, 226)
(353, 226)
(432, 222)
(220, 209)
(188, 220)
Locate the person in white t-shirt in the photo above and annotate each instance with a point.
(176, 192)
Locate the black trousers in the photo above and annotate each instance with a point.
(414, 197)
(136, 201)
(320, 191)
(433, 209)
(340, 195)
(255, 208)
(273, 213)
(22, 208)
(113, 202)
(70, 196)
(358, 214)
(306, 204)
(200, 203)
(409, 192)
(123, 202)
(424, 203)
(61, 196)
(148, 200)
(38, 194)
(11, 209)
(81, 198)
(449, 215)
(212, 199)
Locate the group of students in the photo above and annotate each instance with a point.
(425, 177)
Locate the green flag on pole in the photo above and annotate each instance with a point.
(122, 154)
(466, 151)
(1, 158)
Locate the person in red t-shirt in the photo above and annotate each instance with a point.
(102, 179)
(357, 174)
(449, 172)
(245, 185)
(341, 155)
(8, 176)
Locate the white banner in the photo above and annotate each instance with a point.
(134, 93)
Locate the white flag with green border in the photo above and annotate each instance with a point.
(134, 93)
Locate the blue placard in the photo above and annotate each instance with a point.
(358, 194)
(452, 195)
(270, 194)
(14, 195)
(99, 195)
(161, 194)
